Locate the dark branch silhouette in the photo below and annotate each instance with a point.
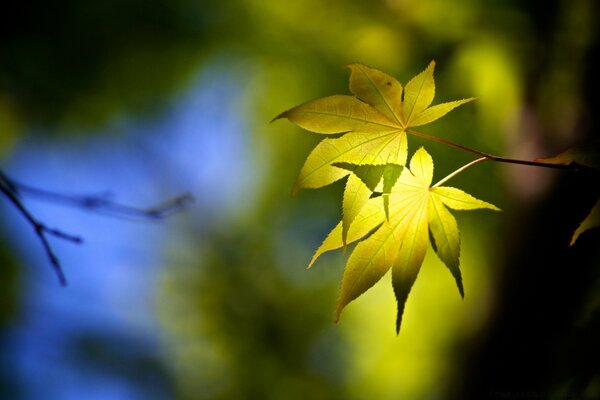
(102, 204)
(13, 191)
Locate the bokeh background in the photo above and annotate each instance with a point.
(139, 101)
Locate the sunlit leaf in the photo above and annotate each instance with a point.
(410, 255)
(412, 227)
(591, 221)
(391, 174)
(445, 235)
(372, 123)
(370, 175)
(338, 114)
(392, 232)
(421, 166)
(353, 148)
(418, 94)
(400, 243)
(369, 218)
(437, 111)
(456, 199)
(356, 195)
(378, 89)
(373, 257)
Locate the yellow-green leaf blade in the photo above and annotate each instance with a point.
(436, 112)
(411, 193)
(391, 174)
(369, 174)
(373, 257)
(591, 221)
(378, 89)
(418, 94)
(355, 148)
(414, 239)
(458, 200)
(338, 114)
(445, 234)
(369, 261)
(369, 218)
(421, 165)
(378, 178)
(418, 175)
(356, 195)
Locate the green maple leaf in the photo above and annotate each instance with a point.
(356, 195)
(361, 184)
(370, 148)
(417, 211)
(372, 123)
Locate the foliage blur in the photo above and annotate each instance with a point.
(237, 314)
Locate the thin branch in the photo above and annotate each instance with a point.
(101, 204)
(13, 190)
(458, 171)
(41, 230)
(492, 157)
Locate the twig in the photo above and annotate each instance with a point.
(12, 190)
(492, 157)
(99, 203)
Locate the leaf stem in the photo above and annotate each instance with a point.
(492, 157)
(458, 171)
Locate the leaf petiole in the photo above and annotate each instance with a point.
(458, 171)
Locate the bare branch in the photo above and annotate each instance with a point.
(491, 157)
(13, 191)
(102, 204)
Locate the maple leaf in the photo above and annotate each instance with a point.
(372, 123)
(416, 209)
(356, 195)
(361, 184)
(387, 208)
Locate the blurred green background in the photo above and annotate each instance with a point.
(147, 99)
